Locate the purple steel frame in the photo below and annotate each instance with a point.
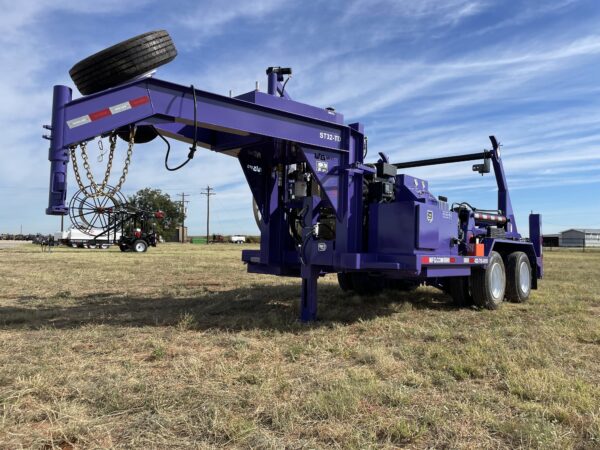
(267, 132)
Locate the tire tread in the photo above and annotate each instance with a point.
(122, 62)
(513, 293)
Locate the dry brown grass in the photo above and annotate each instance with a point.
(181, 348)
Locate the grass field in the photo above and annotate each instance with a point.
(180, 347)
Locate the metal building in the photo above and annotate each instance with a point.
(580, 237)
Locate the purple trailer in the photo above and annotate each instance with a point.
(322, 208)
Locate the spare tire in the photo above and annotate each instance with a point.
(123, 62)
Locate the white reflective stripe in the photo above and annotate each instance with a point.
(120, 107)
(78, 121)
(476, 260)
(438, 260)
(492, 217)
(113, 110)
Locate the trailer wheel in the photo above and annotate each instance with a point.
(460, 290)
(140, 246)
(123, 247)
(345, 281)
(488, 285)
(518, 277)
(123, 62)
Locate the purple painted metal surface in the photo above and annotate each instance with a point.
(504, 203)
(58, 153)
(535, 235)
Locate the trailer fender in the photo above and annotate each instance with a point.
(506, 247)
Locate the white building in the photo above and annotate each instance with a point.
(580, 237)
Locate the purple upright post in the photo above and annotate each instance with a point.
(308, 299)
(272, 83)
(504, 203)
(535, 236)
(58, 153)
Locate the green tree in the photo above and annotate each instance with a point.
(155, 200)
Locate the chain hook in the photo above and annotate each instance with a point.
(100, 191)
(102, 152)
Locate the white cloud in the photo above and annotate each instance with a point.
(215, 17)
(442, 12)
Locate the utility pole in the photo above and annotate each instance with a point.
(183, 202)
(208, 193)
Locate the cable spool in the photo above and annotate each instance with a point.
(91, 213)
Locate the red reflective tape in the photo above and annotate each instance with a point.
(100, 114)
(452, 260)
(425, 260)
(471, 260)
(139, 101)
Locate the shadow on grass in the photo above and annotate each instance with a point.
(273, 308)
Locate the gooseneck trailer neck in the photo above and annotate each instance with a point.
(322, 208)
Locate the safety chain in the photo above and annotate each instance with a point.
(100, 191)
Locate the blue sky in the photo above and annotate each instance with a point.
(427, 78)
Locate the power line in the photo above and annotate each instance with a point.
(207, 191)
(183, 201)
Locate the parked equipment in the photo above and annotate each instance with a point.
(93, 238)
(321, 208)
(137, 229)
(100, 220)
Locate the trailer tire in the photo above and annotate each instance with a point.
(518, 277)
(460, 290)
(143, 134)
(123, 62)
(345, 281)
(123, 247)
(489, 285)
(140, 246)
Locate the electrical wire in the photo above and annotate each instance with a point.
(171, 169)
(194, 146)
(284, 83)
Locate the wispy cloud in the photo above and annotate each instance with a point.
(441, 12)
(215, 17)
